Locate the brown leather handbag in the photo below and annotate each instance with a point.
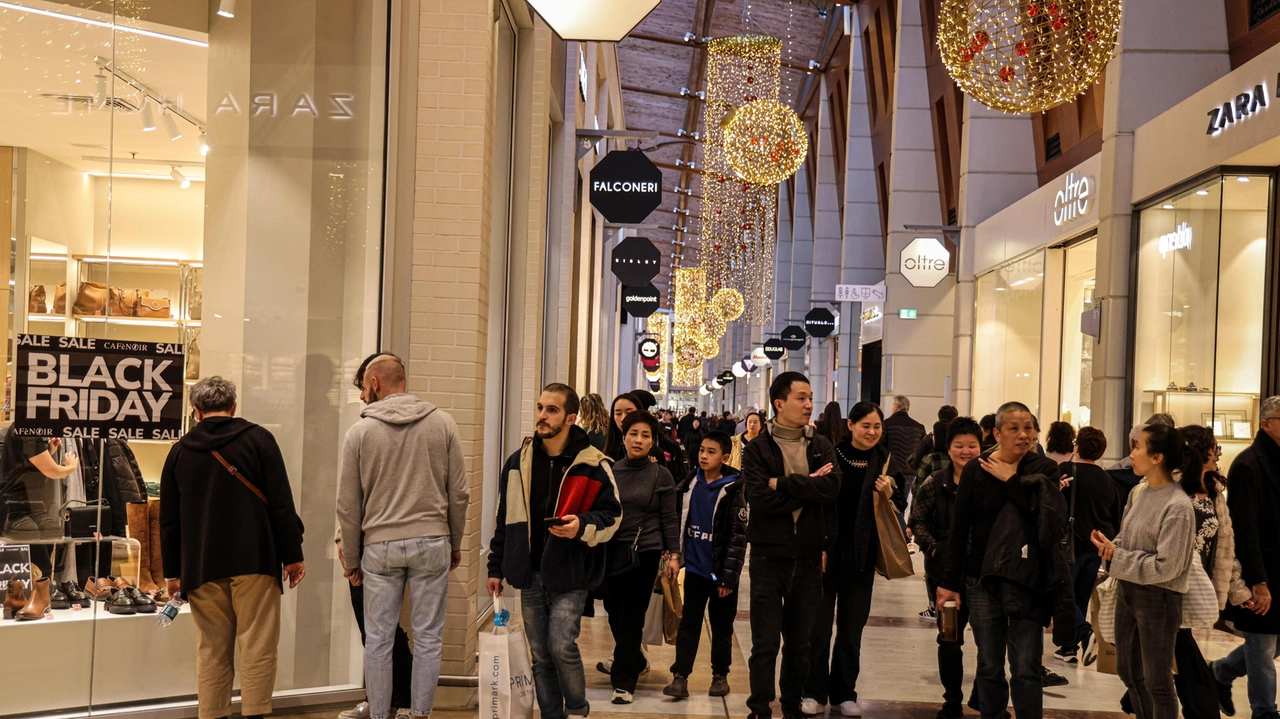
(60, 299)
(37, 302)
(124, 303)
(197, 305)
(91, 299)
(193, 357)
(153, 307)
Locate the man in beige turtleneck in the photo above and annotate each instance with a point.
(791, 485)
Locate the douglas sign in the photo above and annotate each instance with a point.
(96, 388)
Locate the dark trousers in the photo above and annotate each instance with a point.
(401, 656)
(627, 602)
(785, 597)
(1197, 692)
(951, 656)
(1084, 573)
(702, 596)
(846, 598)
(1001, 613)
(1147, 621)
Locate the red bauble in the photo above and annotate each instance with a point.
(966, 55)
(1091, 36)
(720, 180)
(1023, 48)
(1033, 10)
(982, 38)
(1058, 23)
(1053, 9)
(717, 246)
(746, 225)
(750, 80)
(1007, 73)
(746, 186)
(719, 211)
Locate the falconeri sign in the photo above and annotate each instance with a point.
(626, 186)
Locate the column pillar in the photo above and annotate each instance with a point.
(801, 266)
(827, 239)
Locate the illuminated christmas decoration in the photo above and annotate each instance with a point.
(1021, 57)
(765, 142)
(728, 303)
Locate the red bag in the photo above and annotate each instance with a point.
(577, 494)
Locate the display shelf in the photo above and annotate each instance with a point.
(45, 317)
(136, 321)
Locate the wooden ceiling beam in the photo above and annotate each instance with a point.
(660, 93)
(699, 45)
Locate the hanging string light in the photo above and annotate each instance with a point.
(1020, 56)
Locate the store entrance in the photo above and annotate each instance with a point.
(870, 361)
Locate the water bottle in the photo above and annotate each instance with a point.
(166, 616)
(948, 623)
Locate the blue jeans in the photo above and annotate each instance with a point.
(552, 621)
(1256, 658)
(423, 564)
(999, 614)
(1084, 573)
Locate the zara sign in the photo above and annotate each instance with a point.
(925, 262)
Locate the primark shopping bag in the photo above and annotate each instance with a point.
(893, 560)
(506, 674)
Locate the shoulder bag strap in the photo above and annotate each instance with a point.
(236, 473)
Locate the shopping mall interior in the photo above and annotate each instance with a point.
(939, 207)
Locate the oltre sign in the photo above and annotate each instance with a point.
(626, 186)
(636, 261)
(925, 262)
(593, 20)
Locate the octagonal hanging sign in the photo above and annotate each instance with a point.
(794, 337)
(593, 20)
(774, 349)
(640, 301)
(636, 261)
(820, 322)
(626, 186)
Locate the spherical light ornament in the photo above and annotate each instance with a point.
(728, 303)
(738, 370)
(708, 348)
(710, 321)
(766, 142)
(759, 358)
(1024, 57)
(688, 354)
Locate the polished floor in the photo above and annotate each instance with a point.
(899, 676)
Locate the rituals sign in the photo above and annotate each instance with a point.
(96, 388)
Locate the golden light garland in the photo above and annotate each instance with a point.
(728, 303)
(738, 217)
(765, 141)
(1022, 57)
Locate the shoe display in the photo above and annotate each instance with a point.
(140, 529)
(58, 599)
(929, 613)
(719, 686)
(621, 696)
(850, 709)
(1049, 679)
(950, 711)
(153, 533)
(1225, 701)
(74, 594)
(1066, 655)
(37, 603)
(811, 707)
(678, 688)
(119, 602)
(142, 603)
(15, 598)
(98, 589)
(22, 525)
(361, 711)
(1091, 650)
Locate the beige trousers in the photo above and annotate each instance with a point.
(237, 614)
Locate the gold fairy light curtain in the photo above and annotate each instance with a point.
(738, 216)
(1023, 56)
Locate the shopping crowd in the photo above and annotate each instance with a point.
(605, 502)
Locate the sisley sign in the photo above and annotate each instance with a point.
(1179, 239)
(1072, 201)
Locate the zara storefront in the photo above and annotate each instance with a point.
(1203, 268)
(1034, 264)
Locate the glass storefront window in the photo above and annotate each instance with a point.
(230, 172)
(1079, 282)
(1007, 336)
(1198, 321)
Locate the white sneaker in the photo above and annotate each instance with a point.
(811, 706)
(622, 696)
(361, 711)
(850, 709)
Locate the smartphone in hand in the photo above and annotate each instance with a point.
(553, 522)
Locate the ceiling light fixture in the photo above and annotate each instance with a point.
(135, 176)
(1202, 192)
(179, 178)
(148, 117)
(170, 126)
(204, 144)
(100, 88)
(1242, 178)
(102, 23)
(1167, 206)
(227, 8)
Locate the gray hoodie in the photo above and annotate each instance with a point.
(402, 476)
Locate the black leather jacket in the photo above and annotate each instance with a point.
(729, 528)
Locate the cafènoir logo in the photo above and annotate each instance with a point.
(1179, 239)
(1239, 108)
(1072, 201)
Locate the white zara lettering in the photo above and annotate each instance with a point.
(267, 104)
(1179, 239)
(624, 186)
(1072, 201)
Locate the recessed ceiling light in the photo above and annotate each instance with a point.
(1202, 192)
(1242, 178)
(227, 8)
(1167, 206)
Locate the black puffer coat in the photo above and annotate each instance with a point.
(1253, 497)
(903, 435)
(729, 527)
(122, 479)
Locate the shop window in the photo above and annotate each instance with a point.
(1198, 321)
(1079, 284)
(1260, 10)
(1007, 336)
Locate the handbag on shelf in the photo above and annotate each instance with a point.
(91, 299)
(37, 302)
(153, 307)
(60, 299)
(193, 358)
(86, 521)
(196, 308)
(124, 303)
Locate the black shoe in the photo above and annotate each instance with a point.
(57, 599)
(74, 594)
(120, 603)
(142, 602)
(1126, 704)
(678, 688)
(973, 703)
(1049, 679)
(950, 711)
(719, 686)
(1225, 701)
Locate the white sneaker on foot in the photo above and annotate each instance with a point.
(850, 709)
(811, 706)
(361, 711)
(622, 696)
